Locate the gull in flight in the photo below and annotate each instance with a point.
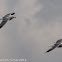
(6, 18)
(56, 45)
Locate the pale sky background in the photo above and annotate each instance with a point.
(37, 26)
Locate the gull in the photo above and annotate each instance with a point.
(6, 18)
(56, 45)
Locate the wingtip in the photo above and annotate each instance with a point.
(0, 27)
(13, 13)
(45, 52)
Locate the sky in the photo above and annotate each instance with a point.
(38, 25)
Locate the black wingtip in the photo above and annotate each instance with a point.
(0, 27)
(13, 13)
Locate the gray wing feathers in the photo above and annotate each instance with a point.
(6, 18)
(3, 23)
(7, 15)
(53, 47)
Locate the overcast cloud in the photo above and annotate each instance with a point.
(37, 26)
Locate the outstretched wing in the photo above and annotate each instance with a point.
(53, 47)
(7, 15)
(3, 23)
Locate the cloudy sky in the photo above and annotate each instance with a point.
(37, 26)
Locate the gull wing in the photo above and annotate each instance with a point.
(3, 23)
(7, 15)
(13, 13)
(53, 47)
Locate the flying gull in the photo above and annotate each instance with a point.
(56, 45)
(6, 18)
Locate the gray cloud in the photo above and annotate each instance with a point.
(52, 10)
(11, 5)
(38, 24)
(18, 42)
